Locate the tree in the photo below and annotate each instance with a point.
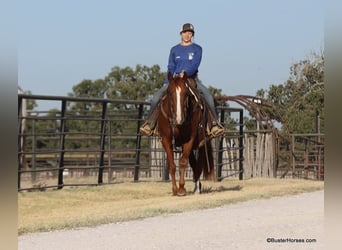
(127, 83)
(30, 103)
(301, 97)
(134, 84)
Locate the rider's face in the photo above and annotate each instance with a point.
(186, 36)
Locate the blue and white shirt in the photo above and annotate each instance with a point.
(184, 58)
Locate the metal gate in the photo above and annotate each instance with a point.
(89, 141)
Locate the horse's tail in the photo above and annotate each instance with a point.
(206, 161)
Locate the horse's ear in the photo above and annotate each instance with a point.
(185, 75)
(169, 76)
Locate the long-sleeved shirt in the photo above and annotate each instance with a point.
(184, 58)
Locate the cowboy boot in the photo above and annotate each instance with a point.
(148, 127)
(214, 127)
(145, 129)
(217, 129)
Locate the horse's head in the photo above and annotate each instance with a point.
(177, 94)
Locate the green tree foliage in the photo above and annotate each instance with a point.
(302, 96)
(30, 104)
(127, 83)
(89, 88)
(134, 84)
(214, 91)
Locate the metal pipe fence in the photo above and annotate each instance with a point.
(89, 141)
(95, 141)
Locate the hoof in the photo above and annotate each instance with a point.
(181, 192)
(174, 191)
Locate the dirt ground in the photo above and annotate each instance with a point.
(289, 222)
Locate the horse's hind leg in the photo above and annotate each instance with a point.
(207, 161)
(198, 187)
(197, 171)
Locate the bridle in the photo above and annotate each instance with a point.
(191, 91)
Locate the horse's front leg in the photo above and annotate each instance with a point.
(171, 165)
(172, 171)
(183, 163)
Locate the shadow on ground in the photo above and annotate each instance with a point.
(207, 189)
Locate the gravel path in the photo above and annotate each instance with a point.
(246, 225)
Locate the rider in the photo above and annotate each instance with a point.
(184, 57)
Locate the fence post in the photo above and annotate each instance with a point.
(62, 140)
(220, 151)
(34, 149)
(102, 142)
(138, 145)
(19, 139)
(241, 145)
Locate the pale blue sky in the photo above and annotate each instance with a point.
(247, 45)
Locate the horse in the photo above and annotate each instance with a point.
(181, 123)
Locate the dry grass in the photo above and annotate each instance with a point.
(90, 206)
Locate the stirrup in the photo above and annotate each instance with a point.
(146, 130)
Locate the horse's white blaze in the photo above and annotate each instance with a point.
(179, 110)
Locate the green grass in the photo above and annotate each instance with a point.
(91, 206)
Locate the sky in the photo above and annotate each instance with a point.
(247, 45)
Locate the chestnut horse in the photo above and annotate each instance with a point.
(182, 124)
